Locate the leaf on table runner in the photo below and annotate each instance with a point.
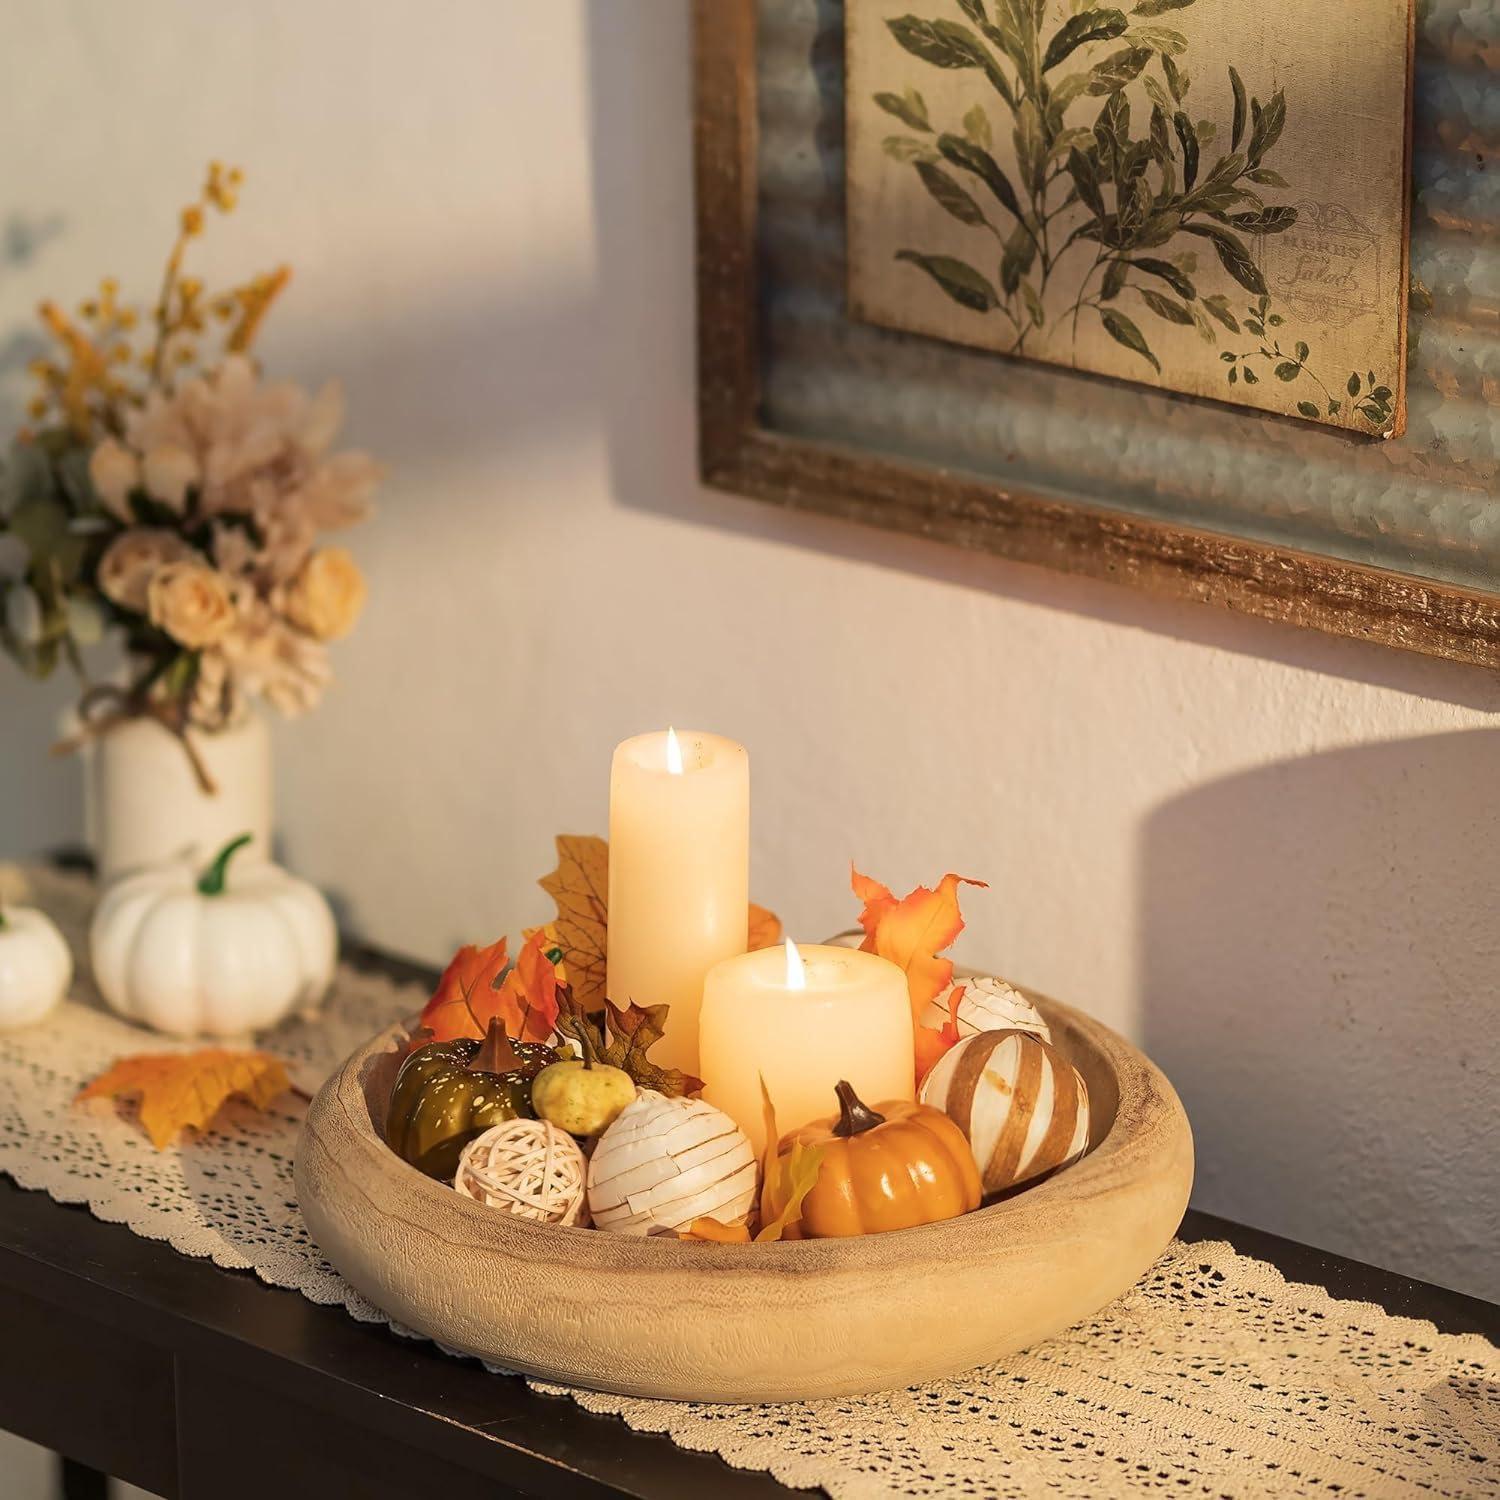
(932, 1041)
(913, 931)
(622, 1038)
(709, 1229)
(765, 928)
(182, 1090)
(468, 993)
(580, 887)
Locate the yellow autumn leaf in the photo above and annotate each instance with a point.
(580, 886)
(185, 1090)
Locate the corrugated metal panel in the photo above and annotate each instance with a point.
(1427, 503)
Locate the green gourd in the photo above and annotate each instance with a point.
(446, 1093)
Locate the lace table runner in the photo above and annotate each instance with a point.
(1213, 1377)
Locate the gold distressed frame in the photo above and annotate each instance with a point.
(737, 453)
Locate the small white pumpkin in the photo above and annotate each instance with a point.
(987, 1004)
(1022, 1105)
(211, 955)
(665, 1162)
(36, 967)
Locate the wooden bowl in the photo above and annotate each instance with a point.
(777, 1322)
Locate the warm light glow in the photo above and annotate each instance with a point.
(674, 753)
(796, 973)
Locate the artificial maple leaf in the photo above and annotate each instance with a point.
(913, 931)
(468, 994)
(181, 1090)
(527, 1003)
(708, 1228)
(553, 946)
(621, 1038)
(580, 886)
(765, 928)
(932, 1042)
(797, 1176)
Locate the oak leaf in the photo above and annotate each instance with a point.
(913, 931)
(580, 886)
(185, 1090)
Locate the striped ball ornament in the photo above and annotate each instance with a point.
(986, 1004)
(1023, 1106)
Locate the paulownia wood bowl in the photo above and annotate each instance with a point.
(702, 1322)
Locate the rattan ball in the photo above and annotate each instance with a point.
(528, 1168)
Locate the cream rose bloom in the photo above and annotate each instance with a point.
(192, 603)
(133, 559)
(114, 471)
(170, 471)
(325, 598)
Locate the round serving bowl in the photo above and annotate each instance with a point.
(776, 1322)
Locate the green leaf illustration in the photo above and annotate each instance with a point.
(1189, 138)
(1267, 221)
(1123, 331)
(1068, 88)
(1086, 26)
(1159, 7)
(908, 107)
(1020, 252)
(1158, 39)
(1033, 304)
(1114, 280)
(1165, 307)
(1119, 70)
(1267, 178)
(1086, 181)
(977, 160)
(1075, 135)
(1251, 378)
(1172, 275)
(946, 44)
(1158, 95)
(949, 195)
(1308, 409)
(1288, 369)
(1031, 148)
(977, 127)
(1354, 385)
(907, 148)
(966, 286)
(1177, 80)
(1235, 257)
(1238, 85)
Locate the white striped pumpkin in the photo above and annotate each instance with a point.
(665, 1162)
(987, 1004)
(1023, 1106)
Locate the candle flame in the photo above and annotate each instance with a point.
(796, 973)
(674, 753)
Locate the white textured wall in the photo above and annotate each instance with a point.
(1271, 856)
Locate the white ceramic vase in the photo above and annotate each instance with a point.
(143, 803)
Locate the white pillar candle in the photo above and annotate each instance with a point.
(679, 875)
(803, 1021)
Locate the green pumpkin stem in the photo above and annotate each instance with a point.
(211, 882)
(855, 1117)
(495, 1055)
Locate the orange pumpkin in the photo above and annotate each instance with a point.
(892, 1168)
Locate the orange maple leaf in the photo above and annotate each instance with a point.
(182, 1090)
(467, 993)
(913, 931)
(708, 1228)
(527, 1003)
(932, 1042)
(580, 886)
(765, 928)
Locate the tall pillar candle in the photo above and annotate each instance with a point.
(804, 1020)
(679, 875)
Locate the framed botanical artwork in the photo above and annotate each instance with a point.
(1191, 294)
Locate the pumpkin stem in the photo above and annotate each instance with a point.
(211, 882)
(495, 1055)
(855, 1117)
(578, 1028)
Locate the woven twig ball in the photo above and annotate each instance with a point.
(528, 1168)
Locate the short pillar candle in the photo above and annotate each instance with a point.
(803, 1020)
(679, 875)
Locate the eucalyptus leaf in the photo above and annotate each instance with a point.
(1114, 280)
(949, 195)
(1123, 331)
(1236, 259)
(1270, 221)
(947, 44)
(1267, 128)
(1165, 307)
(966, 286)
(1237, 84)
(975, 159)
(1174, 278)
(1086, 26)
(1188, 137)
(1218, 307)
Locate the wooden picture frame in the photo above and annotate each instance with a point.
(741, 453)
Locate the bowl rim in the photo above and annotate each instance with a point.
(1139, 1137)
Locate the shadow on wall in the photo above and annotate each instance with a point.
(1319, 959)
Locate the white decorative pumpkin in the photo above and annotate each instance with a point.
(665, 1162)
(36, 967)
(216, 954)
(1023, 1106)
(987, 1004)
